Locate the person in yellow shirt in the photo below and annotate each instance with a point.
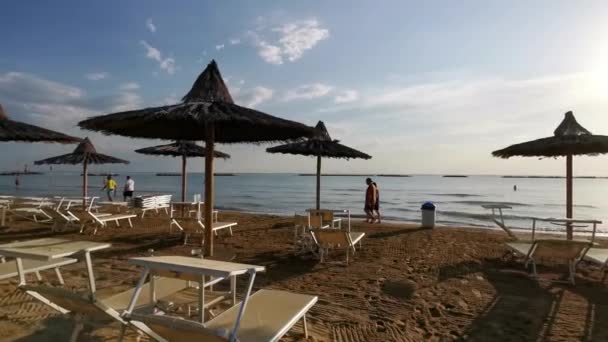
(110, 187)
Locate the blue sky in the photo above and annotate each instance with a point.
(424, 87)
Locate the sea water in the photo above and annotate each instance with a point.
(458, 200)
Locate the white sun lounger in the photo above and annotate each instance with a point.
(327, 239)
(102, 220)
(9, 269)
(565, 250)
(197, 227)
(268, 316)
(87, 311)
(326, 216)
(598, 256)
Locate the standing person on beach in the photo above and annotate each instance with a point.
(110, 187)
(376, 207)
(129, 188)
(370, 200)
(16, 181)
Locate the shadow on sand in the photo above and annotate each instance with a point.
(523, 310)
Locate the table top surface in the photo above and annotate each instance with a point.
(566, 220)
(496, 206)
(49, 248)
(193, 265)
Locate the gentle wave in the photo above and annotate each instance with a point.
(457, 195)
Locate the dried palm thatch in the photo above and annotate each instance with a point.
(184, 149)
(84, 154)
(569, 139)
(11, 130)
(206, 113)
(179, 149)
(207, 104)
(321, 145)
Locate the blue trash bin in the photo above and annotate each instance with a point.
(428, 215)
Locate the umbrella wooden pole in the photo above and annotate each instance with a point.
(84, 184)
(184, 178)
(210, 134)
(569, 195)
(318, 182)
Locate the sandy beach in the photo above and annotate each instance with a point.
(406, 284)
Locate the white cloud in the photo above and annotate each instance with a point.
(170, 100)
(167, 64)
(346, 96)
(308, 92)
(23, 87)
(270, 53)
(255, 96)
(150, 25)
(52, 104)
(292, 41)
(219, 47)
(129, 86)
(235, 41)
(96, 76)
(300, 36)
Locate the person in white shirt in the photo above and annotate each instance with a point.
(129, 188)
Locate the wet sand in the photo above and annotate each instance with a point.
(405, 284)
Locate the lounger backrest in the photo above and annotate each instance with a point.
(163, 287)
(559, 249)
(72, 301)
(300, 220)
(96, 218)
(315, 221)
(177, 329)
(331, 238)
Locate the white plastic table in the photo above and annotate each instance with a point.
(48, 249)
(193, 269)
(565, 221)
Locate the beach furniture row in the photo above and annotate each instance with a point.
(165, 282)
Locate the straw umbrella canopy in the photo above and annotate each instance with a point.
(84, 154)
(569, 139)
(184, 149)
(321, 145)
(11, 130)
(208, 113)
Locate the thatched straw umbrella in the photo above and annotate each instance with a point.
(184, 149)
(321, 145)
(206, 113)
(84, 154)
(569, 139)
(11, 130)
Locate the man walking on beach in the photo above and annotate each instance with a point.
(377, 202)
(370, 200)
(110, 187)
(129, 188)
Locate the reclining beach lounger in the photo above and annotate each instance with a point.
(102, 220)
(327, 217)
(598, 256)
(106, 310)
(569, 251)
(9, 269)
(327, 239)
(30, 213)
(197, 227)
(62, 220)
(268, 315)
